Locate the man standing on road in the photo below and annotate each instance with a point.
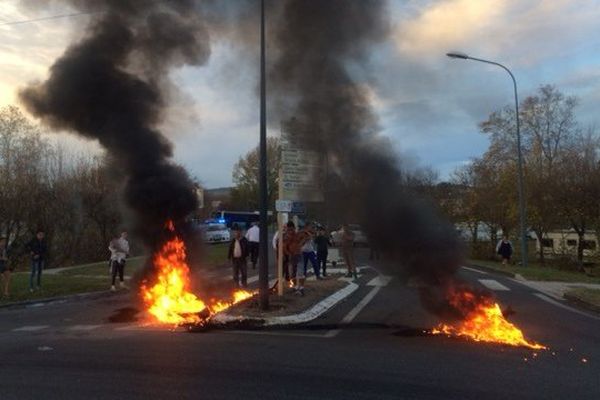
(322, 242)
(308, 250)
(119, 250)
(292, 248)
(38, 250)
(253, 236)
(238, 252)
(347, 244)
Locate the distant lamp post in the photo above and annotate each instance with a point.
(522, 210)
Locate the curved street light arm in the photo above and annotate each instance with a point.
(523, 212)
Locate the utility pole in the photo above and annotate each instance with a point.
(263, 267)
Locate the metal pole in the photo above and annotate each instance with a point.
(522, 208)
(263, 268)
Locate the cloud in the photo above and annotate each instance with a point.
(445, 24)
(431, 104)
(525, 32)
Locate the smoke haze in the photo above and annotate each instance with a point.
(315, 81)
(109, 86)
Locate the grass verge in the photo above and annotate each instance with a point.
(87, 277)
(537, 272)
(585, 296)
(52, 286)
(101, 268)
(216, 254)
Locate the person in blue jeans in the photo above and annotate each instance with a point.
(308, 250)
(38, 250)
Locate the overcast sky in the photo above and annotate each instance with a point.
(428, 105)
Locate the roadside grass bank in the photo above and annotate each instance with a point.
(537, 272)
(86, 278)
(586, 297)
(216, 254)
(102, 268)
(52, 286)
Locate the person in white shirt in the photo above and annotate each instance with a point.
(119, 250)
(253, 237)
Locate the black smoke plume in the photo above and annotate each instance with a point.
(322, 53)
(112, 86)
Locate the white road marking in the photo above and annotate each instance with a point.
(475, 270)
(561, 305)
(30, 328)
(275, 333)
(84, 327)
(380, 280)
(493, 284)
(355, 311)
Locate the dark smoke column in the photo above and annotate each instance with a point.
(318, 81)
(109, 87)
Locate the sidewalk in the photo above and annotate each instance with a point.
(557, 290)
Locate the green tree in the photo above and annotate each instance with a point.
(245, 194)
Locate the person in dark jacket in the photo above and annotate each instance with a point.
(322, 243)
(505, 249)
(238, 253)
(39, 252)
(4, 267)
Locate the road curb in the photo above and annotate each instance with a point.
(71, 297)
(306, 316)
(492, 270)
(576, 301)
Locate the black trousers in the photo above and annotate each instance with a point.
(240, 268)
(322, 260)
(118, 268)
(253, 247)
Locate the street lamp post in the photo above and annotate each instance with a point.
(522, 210)
(263, 266)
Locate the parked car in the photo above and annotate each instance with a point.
(360, 239)
(216, 233)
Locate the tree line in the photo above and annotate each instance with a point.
(561, 173)
(43, 187)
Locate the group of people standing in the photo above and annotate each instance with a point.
(38, 251)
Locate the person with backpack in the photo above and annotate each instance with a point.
(504, 249)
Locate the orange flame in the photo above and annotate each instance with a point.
(485, 323)
(169, 299)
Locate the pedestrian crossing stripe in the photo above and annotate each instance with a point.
(493, 285)
(84, 327)
(31, 328)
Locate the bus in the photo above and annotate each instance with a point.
(243, 219)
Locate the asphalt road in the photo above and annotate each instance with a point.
(367, 347)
